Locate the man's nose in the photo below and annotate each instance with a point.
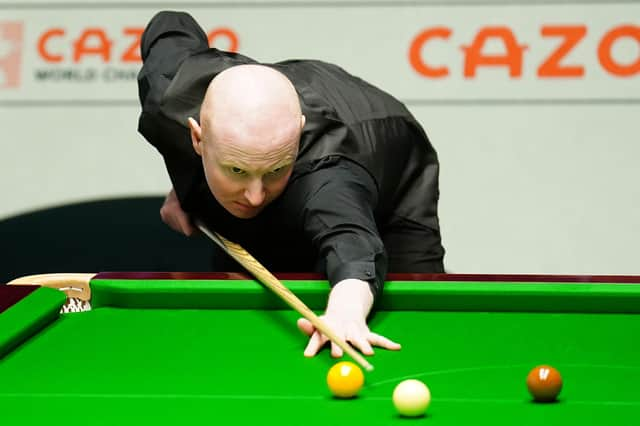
(255, 193)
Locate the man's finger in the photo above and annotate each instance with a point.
(336, 351)
(315, 343)
(383, 342)
(364, 346)
(185, 225)
(305, 326)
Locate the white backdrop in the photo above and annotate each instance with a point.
(539, 170)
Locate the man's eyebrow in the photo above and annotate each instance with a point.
(284, 163)
(279, 165)
(233, 163)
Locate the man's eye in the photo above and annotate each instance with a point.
(236, 170)
(277, 170)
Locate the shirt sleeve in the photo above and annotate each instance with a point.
(167, 41)
(338, 218)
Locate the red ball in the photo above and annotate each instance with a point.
(544, 383)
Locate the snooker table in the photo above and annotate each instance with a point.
(215, 348)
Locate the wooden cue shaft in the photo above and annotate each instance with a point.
(252, 265)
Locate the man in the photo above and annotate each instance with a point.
(306, 166)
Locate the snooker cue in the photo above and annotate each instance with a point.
(260, 272)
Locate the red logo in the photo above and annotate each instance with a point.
(553, 66)
(109, 47)
(10, 54)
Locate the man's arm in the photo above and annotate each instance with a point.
(338, 217)
(169, 39)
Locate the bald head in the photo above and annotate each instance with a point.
(251, 105)
(248, 137)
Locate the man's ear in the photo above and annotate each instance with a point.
(196, 135)
(303, 120)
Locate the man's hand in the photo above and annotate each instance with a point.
(349, 304)
(172, 214)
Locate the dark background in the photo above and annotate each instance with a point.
(124, 234)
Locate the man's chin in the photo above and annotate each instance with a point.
(243, 212)
(245, 215)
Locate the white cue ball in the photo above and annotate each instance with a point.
(411, 398)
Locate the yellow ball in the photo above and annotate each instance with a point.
(411, 398)
(345, 379)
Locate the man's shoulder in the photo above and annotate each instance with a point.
(186, 91)
(308, 64)
(197, 70)
(308, 70)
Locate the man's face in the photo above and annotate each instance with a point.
(243, 178)
(251, 126)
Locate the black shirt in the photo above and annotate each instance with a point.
(362, 198)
